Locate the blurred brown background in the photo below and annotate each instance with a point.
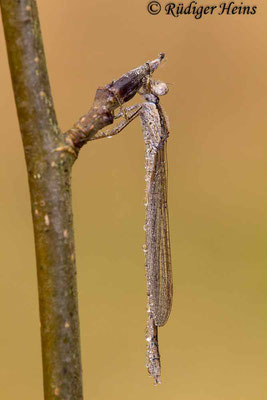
(212, 347)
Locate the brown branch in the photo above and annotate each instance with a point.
(49, 182)
(107, 99)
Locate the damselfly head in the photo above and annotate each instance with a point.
(159, 88)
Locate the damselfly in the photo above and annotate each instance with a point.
(157, 246)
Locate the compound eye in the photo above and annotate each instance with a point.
(159, 88)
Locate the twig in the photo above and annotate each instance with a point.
(49, 182)
(107, 99)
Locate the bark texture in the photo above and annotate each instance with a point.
(49, 182)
